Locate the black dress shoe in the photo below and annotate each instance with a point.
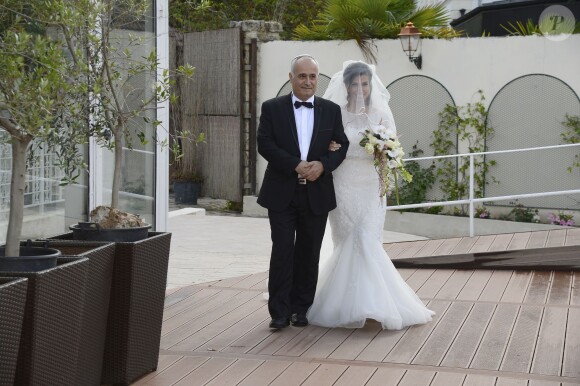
(299, 320)
(278, 323)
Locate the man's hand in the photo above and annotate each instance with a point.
(310, 170)
(303, 168)
(315, 169)
(334, 146)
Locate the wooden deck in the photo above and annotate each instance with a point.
(493, 327)
(557, 249)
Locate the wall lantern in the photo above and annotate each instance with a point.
(410, 40)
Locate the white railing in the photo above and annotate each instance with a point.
(471, 200)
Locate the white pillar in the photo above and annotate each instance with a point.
(162, 152)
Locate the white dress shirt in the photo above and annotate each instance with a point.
(304, 117)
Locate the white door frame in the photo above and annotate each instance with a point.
(162, 152)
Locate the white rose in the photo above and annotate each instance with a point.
(390, 132)
(395, 153)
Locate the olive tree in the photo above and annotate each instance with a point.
(126, 88)
(43, 94)
(67, 70)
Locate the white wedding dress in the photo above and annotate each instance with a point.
(358, 281)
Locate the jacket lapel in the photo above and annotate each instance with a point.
(317, 119)
(291, 119)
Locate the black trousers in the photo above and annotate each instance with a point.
(296, 240)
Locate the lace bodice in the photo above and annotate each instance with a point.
(359, 207)
(354, 134)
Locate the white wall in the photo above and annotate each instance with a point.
(462, 65)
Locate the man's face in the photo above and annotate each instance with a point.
(304, 79)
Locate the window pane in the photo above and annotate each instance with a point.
(49, 208)
(138, 175)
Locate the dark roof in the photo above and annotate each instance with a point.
(488, 18)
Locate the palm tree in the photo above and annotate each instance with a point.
(364, 20)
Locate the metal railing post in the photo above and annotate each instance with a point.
(471, 190)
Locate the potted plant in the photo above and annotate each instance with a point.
(126, 85)
(43, 104)
(184, 175)
(127, 88)
(186, 186)
(62, 79)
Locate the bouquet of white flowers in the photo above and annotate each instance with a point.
(383, 144)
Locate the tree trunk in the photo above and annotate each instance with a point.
(17, 187)
(118, 165)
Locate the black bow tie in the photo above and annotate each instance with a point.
(297, 104)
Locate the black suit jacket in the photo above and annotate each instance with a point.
(278, 144)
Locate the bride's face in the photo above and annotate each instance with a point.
(362, 80)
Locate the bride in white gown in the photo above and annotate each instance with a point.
(358, 281)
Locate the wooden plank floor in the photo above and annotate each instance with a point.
(493, 327)
(557, 249)
(488, 243)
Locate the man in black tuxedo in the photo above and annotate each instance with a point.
(294, 135)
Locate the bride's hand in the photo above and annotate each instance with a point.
(334, 146)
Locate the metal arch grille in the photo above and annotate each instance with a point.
(323, 81)
(528, 112)
(416, 102)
